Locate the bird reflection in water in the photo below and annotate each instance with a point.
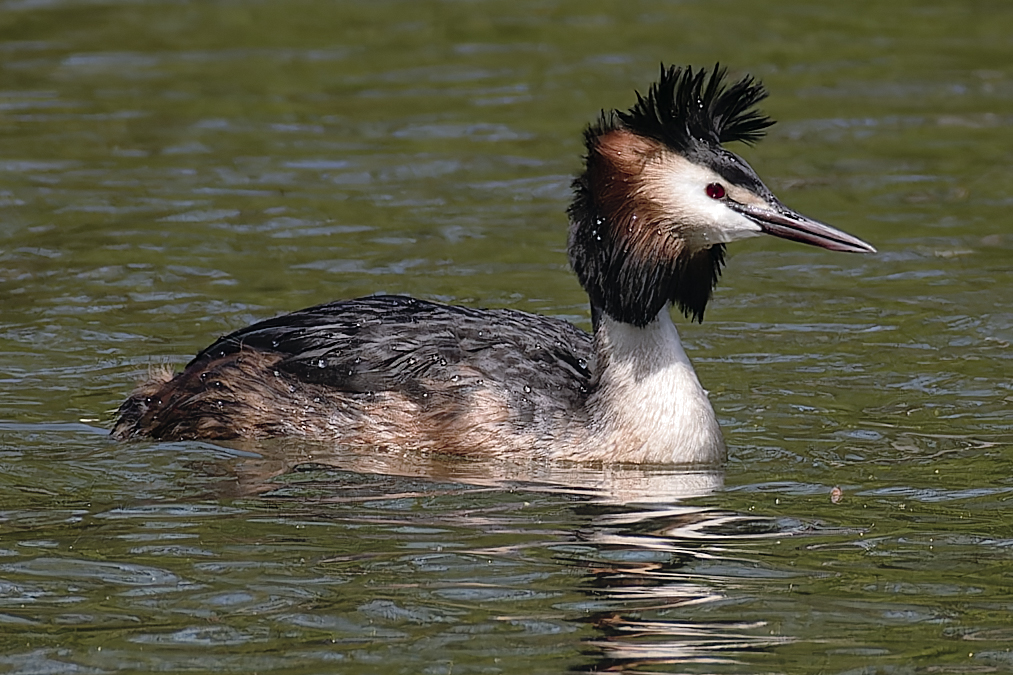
(642, 559)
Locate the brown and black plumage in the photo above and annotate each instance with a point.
(654, 207)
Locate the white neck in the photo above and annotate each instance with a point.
(648, 405)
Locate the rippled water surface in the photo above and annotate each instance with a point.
(170, 171)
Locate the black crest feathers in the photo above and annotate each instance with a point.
(686, 107)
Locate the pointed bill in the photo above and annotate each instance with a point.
(780, 221)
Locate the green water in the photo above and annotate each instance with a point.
(172, 171)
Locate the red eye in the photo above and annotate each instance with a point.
(716, 191)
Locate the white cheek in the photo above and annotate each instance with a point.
(703, 221)
(712, 222)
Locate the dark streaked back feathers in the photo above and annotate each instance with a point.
(395, 343)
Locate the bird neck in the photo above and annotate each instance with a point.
(647, 398)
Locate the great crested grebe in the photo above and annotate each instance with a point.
(657, 201)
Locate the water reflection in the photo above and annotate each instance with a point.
(619, 484)
(635, 558)
(654, 570)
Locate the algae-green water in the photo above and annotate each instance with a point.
(171, 171)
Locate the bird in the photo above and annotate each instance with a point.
(656, 203)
